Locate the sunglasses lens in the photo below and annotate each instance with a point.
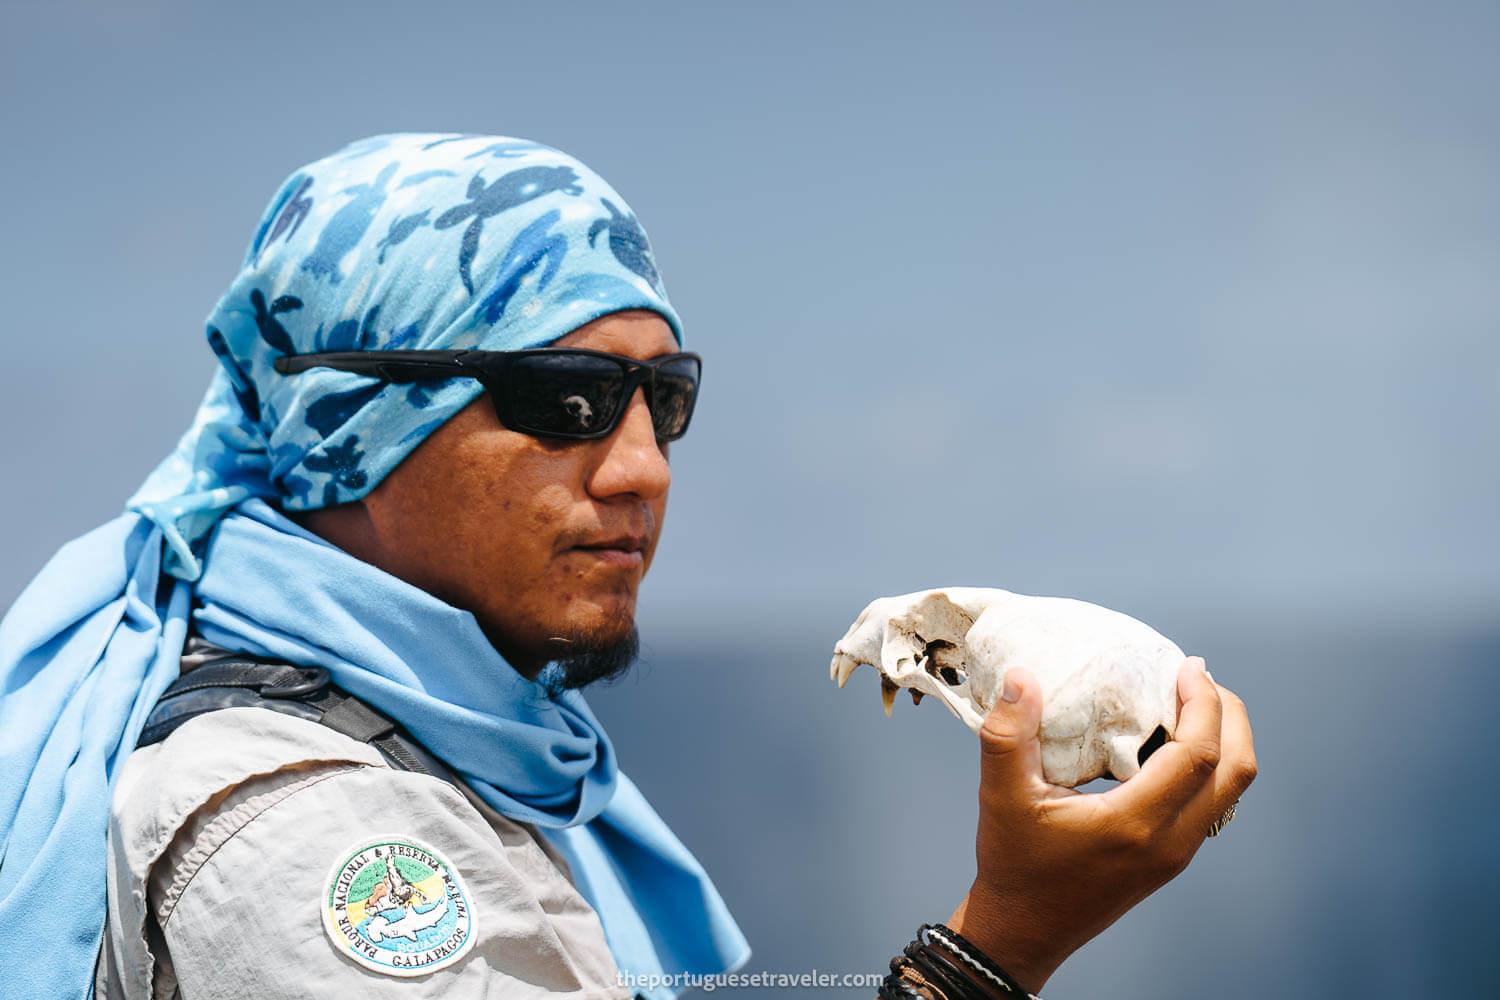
(572, 394)
(672, 399)
(582, 395)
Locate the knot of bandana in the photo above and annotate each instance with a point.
(395, 242)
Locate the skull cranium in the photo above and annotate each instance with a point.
(1108, 681)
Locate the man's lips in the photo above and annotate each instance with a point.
(625, 550)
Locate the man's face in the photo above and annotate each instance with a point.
(545, 541)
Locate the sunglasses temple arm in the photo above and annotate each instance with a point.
(361, 363)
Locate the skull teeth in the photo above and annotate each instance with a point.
(888, 694)
(841, 668)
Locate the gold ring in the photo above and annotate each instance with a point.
(1222, 821)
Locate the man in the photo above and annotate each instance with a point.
(388, 480)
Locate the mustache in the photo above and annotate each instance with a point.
(641, 528)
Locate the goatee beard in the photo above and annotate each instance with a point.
(591, 662)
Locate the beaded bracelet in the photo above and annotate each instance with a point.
(926, 973)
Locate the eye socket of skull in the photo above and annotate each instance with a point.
(944, 660)
(934, 630)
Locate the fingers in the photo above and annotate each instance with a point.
(1237, 766)
(1239, 747)
(1184, 787)
(1174, 775)
(1010, 744)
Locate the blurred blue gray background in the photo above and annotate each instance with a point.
(1190, 310)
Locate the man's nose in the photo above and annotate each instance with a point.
(634, 462)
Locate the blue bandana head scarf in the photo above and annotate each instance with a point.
(395, 242)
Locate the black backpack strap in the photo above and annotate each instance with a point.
(308, 693)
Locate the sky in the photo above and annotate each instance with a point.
(1184, 309)
(1156, 304)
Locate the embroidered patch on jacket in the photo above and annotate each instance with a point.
(399, 907)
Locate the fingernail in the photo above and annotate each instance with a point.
(1011, 692)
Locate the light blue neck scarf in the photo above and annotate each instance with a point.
(409, 241)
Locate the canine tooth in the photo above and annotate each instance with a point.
(888, 694)
(842, 667)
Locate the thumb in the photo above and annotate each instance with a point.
(1009, 740)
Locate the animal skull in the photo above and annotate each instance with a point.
(1108, 681)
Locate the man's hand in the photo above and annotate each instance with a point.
(1055, 866)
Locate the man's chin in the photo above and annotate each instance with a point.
(582, 660)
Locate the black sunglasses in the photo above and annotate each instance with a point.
(555, 392)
